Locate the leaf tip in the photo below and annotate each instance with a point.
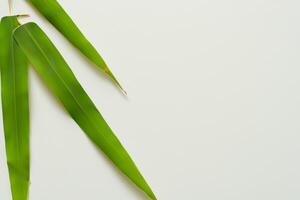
(110, 74)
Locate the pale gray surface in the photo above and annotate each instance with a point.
(213, 109)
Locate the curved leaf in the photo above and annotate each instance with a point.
(15, 107)
(59, 78)
(58, 17)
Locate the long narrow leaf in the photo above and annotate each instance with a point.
(59, 78)
(14, 89)
(58, 17)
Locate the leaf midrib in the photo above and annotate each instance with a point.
(15, 106)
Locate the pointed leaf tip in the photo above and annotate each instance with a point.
(59, 18)
(58, 77)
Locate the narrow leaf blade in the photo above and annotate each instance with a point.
(59, 78)
(15, 107)
(58, 17)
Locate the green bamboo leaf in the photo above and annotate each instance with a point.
(15, 107)
(58, 17)
(59, 78)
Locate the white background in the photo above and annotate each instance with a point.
(213, 105)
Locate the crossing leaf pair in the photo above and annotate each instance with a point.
(24, 44)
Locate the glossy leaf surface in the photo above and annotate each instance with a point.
(15, 107)
(59, 78)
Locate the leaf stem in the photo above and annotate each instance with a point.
(10, 6)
